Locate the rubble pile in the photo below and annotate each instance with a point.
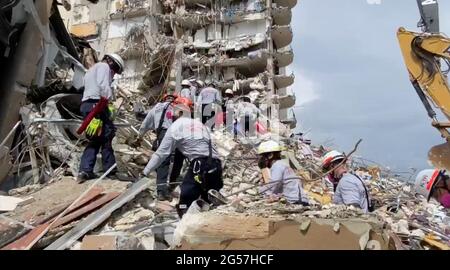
(227, 43)
(406, 218)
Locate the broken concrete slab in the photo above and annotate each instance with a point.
(8, 203)
(84, 30)
(99, 242)
(315, 234)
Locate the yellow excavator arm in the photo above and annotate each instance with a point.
(424, 53)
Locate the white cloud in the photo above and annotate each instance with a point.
(306, 90)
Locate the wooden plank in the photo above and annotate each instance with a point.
(86, 209)
(92, 194)
(92, 221)
(23, 242)
(34, 235)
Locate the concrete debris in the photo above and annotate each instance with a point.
(164, 43)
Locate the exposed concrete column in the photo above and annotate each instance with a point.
(273, 109)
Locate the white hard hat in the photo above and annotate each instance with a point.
(118, 60)
(229, 91)
(269, 147)
(425, 181)
(186, 82)
(331, 157)
(200, 83)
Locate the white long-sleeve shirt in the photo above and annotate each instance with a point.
(97, 82)
(209, 95)
(285, 182)
(246, 108)
(187, 135)
(151, 121)
(351, 190)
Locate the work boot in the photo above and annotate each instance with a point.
(84, 176)
(121, 177)
(164, 196)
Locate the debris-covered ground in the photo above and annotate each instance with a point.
(44, 208)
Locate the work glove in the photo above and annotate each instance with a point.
(112, 112)
(94, 128)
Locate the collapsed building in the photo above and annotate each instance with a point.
(240, 45)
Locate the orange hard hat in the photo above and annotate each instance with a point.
(185, 101)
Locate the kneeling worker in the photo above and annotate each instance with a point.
(283, 180)
(350, 189)
(193, 140)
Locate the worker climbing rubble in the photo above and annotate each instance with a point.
(186, 90)
(159, 119)
(228, 110)
(197, 86)
(193, 140)
(246, 116)
(349, 188)
(283, 182)
(101, 129)
(434, 184)
(210, 100)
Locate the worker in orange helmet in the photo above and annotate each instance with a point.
(159, 119)
(192, 138)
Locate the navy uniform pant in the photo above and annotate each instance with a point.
(162, 172)
(191, 190)
(102, 142)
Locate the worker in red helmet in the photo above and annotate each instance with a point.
(349, 188)
(159, 119)
(193, 140)
(434, 184)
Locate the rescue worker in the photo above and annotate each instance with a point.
(193, 139)
(283, 180)
(228, 99)
(101, 130)
(159, 119)
(197, 88)
(228, 110)
(246, 114)
(209, 99)
(349, 188)
(186, 89)
(434, 184)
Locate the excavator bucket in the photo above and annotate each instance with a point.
(439, 156)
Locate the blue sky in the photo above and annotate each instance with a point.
(351, 81)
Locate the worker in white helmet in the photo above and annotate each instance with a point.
(186, 89)
(101, 130)
(349, 188)
(246, 114)
(283, 180)
(228, 110)
(209, 99)
(434, 184)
